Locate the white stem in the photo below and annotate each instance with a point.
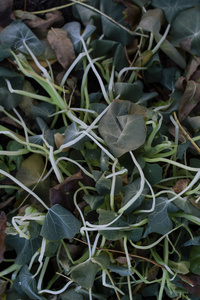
(24, 187)
(142, 182)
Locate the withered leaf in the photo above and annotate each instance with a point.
(62, 46)
(195, 289)
(189, 99)
(180, 185)
(63, 192)
(3, 220)
(53, 18)
(3, 285)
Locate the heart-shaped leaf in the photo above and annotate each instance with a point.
(18, 33)
(59, 224)
(122, 127)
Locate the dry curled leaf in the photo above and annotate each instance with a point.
(62, 46)
(3, 220)
(63, 192)
(189, 99)
(53, 18)
(180, 185)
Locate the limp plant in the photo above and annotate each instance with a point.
(105, 191)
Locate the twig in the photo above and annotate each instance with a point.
(186, 134)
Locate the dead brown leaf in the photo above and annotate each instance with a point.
(180, 185)
(58, 137)
(132, 15)
(3, 220)
(192, 67)
(189, 99)
(195, 289)
(62, 46)
(63, 192)
(53, 18)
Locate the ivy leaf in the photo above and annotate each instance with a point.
(185, 30)
(122, 127)
(74, 32)
(9, 100)
(15, 34)
(28, 284)
(128, 91)
(24, 248)
(195, 260)
(130, 191)
(172, 7)
(153, 173)
(59, 224)
(85, 278)
(158, 220)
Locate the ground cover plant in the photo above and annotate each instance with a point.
(99, 157)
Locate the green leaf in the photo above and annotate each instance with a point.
(84, 274)
(28, 283)
(185, 30)
(9, 100)
(172, 7)
(122, 271)
(93, 200)
(43, 110)
(113, 50)
(47, 133)
(30, 172)
(158, 220)
(130, 191)
(71, 293)
(15, 34)
(122, 128)
(195, 260)
(103, 184)
(179, 267)
(59, 224)
(111, 29)
(4, 51)
(171, 51)
(103, 260)
(24, 248)
(185, 205)
(128, 91)
(153, 173)
(74, 33)
(106, 217)
(71, 133)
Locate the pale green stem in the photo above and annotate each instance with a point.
(153, 202)
(168, 161)
(156, 242)
(95, 72)
(196, 177)
(135, 197)
(83, 220)
(42, 69)
(162, 39)
(44, 267)
(130, 69)
(24, 187)
(104, 273)
(28, 94)
(112, 191)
